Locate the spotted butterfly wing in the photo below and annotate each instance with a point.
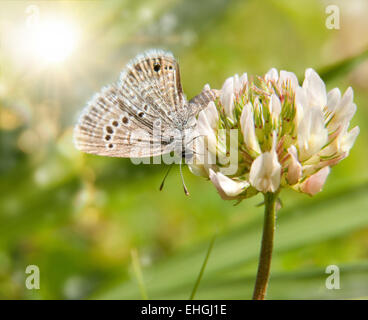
(199, 102)
(120, 120)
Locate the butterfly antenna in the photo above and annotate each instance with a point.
(164, 179)
(182, 180)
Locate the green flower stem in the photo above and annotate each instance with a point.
(264, 264)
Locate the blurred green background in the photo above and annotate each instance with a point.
(78, 217)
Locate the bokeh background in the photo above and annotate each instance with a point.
(78, 217)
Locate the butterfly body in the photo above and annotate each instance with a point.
(145, 114)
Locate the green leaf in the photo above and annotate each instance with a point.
(343, 67)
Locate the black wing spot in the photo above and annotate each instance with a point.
(125, 120)
(109, 130)
(157, 67)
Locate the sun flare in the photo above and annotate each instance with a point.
(54, 41)
(50, 41)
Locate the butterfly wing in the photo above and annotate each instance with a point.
(200, 101)
(134, 118)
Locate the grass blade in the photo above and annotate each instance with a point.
(341, 68)
(196, 285)
(138, 273)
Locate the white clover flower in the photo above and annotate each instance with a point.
(265, 172)
(228, 188)
(289, 134)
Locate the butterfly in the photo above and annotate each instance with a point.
(145, 114)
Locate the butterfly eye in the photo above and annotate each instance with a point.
(157, 67)
(141, 114)
(107, 137)
(115, 123)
